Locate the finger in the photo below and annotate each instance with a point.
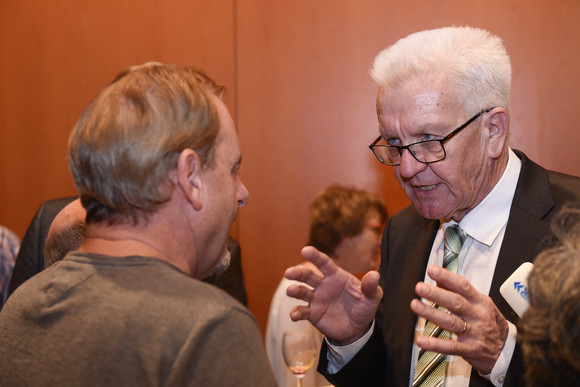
(300, 312)
(448, 321)
(445, 298)
(320, 260)
(370, 285)
(445, 346)
(304, 274)
(454, 282)
(300, 292)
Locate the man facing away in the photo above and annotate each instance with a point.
(480, 209)
(155, 159)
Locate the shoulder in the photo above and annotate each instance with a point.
(134, 281)
(540, 190)
(195, 300)
(178, 287)
(565, 186)
(9, 241)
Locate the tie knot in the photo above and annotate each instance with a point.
(455, 236)
(453, 239)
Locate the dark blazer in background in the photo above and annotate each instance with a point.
(30, 259)
(407, 241)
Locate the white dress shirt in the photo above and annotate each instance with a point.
(485, 227)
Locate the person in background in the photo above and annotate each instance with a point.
(549, 330)
(9, 245)
(59, 227)
(66, 233)
(479, 210)
(346, 224)
(155, 158)
(30, 258)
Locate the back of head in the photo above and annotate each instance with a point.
(550, 328)
(66, 233)
(339, 212)
(127, 140)
(473, 58)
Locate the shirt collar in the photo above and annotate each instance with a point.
(486, 220)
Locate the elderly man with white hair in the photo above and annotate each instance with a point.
(479, 209)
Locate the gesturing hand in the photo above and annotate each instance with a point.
(339, 305)
(486, 329)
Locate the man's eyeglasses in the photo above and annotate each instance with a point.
(425, 152)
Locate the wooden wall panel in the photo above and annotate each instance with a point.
(299, 90)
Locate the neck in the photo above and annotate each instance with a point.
(496, 168)
(150, 239)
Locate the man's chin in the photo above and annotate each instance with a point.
(222, 265)
(430, 210)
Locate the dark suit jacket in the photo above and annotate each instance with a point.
(407, 240)
(30, 259)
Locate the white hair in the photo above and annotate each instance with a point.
(474, 59)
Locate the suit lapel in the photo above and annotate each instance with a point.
(526, 229)
(399, 286)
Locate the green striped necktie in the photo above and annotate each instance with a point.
(431, 366)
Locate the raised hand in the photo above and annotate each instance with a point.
(339, 305)
(486, 330)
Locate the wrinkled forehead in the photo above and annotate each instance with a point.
(418, 101)
(425, 92)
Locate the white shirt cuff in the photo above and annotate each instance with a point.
(499, 371)
(339, 355)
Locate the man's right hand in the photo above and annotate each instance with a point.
(339, 305)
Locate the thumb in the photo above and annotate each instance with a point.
(370, 285)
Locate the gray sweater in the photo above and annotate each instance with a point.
(94, 320)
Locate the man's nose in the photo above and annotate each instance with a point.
(243, 194)
(409, 166)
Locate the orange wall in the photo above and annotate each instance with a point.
(299, 90)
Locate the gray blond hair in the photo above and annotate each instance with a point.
(128, 139)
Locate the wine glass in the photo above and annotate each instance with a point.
(300, 350)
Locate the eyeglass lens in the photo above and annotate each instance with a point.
(425, 152)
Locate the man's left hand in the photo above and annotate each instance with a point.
(486, 330)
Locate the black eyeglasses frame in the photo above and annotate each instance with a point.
(441, 141)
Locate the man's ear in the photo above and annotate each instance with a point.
(498, 128)
(189, 179)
